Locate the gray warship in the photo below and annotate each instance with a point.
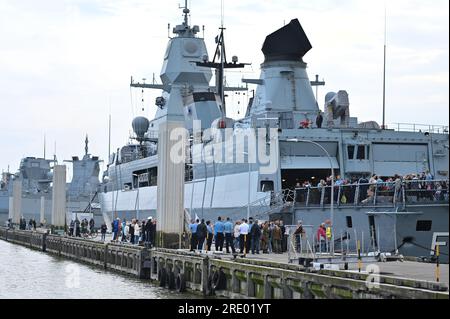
(36, 176)
(405, 211)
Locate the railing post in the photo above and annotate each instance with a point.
(375, 195)
(404, 194)
(322, 196)
(357, 195)
(307, 196)
(339, 196)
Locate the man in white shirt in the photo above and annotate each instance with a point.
(243, 231)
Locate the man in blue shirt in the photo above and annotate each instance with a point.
(229, 231)
(219, 229)
(193, 229)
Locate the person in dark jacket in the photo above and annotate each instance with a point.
(256, 237)
(103, 230)
(71, 228)
(131, 231)
(202, 232)
(210, 235)
(319, 120)
(148, 231)
(77, 228)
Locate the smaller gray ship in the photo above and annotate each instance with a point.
(36, 176)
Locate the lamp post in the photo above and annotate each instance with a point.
(137, 197)
(332, 180)
(249, 184)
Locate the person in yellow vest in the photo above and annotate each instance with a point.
(329, 234)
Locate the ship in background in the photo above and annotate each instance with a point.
(36, 175)
(408, 221)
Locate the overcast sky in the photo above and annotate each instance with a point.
(66, 64)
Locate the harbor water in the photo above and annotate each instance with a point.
(28, 274)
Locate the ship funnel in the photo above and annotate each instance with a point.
(140, 127)
(289, 43)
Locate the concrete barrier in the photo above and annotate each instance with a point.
(244, 278)
(212, 275)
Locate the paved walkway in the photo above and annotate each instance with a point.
(407, 269)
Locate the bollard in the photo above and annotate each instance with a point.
(359, 256)
(438, 270)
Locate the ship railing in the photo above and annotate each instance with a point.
(420, 128)
(272, 202)
(343, 245)
(386, 194)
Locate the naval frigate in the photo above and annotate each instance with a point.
(36, 177)
(397, 214)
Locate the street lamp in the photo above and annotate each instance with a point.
(332, 180)
(137, 197)
(249, 184)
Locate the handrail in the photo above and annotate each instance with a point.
(366, 194)
(416, 128)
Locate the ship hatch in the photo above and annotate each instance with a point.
(292, 177)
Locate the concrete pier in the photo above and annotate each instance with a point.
(219, 275)
(59, 196)
(171, 175)
(11, 208)
(42, 211)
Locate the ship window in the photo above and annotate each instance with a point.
(351, 152)
(424, 225)
(349, 222)
(267, 186)
(361, 155)
(34, 164)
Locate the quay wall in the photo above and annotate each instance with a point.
(211, 275)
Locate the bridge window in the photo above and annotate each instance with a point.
(349, 222)
(351, 152)
(424, 225)
(267, 186)
(361, 155)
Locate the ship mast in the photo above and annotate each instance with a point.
(384, 68)
(222, 64)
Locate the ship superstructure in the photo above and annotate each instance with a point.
(36, 176)
(305, 150)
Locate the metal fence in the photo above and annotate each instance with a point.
(408, 192)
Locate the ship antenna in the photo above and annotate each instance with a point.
(45, 144)
(109, 137)
(384, 67)
(186, 12)
(86, 148)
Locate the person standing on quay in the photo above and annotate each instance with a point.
(103, 230)
(210, 235)
(228, 229)
(256, 237)
(219, 228)
(137, 231)
(202, 232)
(193, 228)
(243, 231)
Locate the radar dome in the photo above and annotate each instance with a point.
(140, 126)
